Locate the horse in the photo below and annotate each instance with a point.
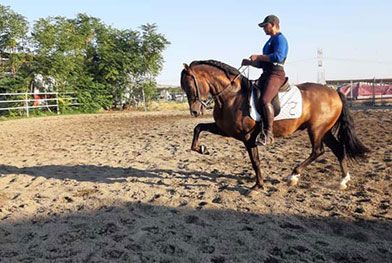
(325, 116)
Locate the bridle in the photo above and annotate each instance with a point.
(206, 102)
(215, 97)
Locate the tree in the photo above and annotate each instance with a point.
(63, 49)
(13, 30)
(128, 61)
(105, 66)
(147, 63)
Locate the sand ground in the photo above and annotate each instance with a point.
(125, 187)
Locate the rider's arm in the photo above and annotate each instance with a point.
(279, 54)
(280, 50)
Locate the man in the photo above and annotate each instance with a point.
(273, 76)
(37, 87)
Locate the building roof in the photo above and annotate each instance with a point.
(345, 81)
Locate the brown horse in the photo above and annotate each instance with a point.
(325, 114)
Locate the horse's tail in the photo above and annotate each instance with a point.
(346, 134)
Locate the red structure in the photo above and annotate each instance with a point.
(363, 90)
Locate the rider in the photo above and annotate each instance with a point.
(273, 77)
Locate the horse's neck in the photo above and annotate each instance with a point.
(225, 88)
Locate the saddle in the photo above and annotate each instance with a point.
(275, 101)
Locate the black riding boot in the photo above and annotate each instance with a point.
(266, 135)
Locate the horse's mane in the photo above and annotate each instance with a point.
(229, 70)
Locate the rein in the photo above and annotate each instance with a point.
(215, 97)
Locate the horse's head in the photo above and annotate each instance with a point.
(196, 89)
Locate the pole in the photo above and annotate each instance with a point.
(351, 94)
(57, 102)
(374, 94)
(27, 105)
(144, 100)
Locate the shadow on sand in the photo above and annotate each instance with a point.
(108, 174)
(136, 232)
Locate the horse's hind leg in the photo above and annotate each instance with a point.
(338, 150)
(210, 127)
(317, 150)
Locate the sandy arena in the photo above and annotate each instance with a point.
(125, 187)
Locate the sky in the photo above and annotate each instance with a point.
(354, 35)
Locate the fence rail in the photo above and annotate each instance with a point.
(44, 100)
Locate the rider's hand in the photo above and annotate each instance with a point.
(254, 57)
(245, 62)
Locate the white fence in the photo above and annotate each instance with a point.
(27, 101)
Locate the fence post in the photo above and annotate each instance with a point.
(57, 102)
(27, 104)
(373, 91)
(144, 100)
(351, 94)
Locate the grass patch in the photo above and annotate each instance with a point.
(167, 106)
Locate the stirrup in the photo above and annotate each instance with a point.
(264, 138)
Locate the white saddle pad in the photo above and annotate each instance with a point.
(290, 105)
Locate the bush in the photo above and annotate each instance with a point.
(93, 96)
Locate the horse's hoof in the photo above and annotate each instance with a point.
(343, 187)
(343, 183)
(203, 150)
(257, 186)
(292, 180)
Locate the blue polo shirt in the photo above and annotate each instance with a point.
(276, 48)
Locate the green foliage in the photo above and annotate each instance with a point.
(103, 65)
(12, 84)
(93, 95)
(13, 27)
(13, 31)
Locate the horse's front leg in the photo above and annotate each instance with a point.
(210, 127)
(254, 157)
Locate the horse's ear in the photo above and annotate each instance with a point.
(186, 67)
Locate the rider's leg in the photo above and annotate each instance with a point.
(266, 134)
(274, 81)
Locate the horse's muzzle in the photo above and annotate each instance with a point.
(196, 109)
(195, 113)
